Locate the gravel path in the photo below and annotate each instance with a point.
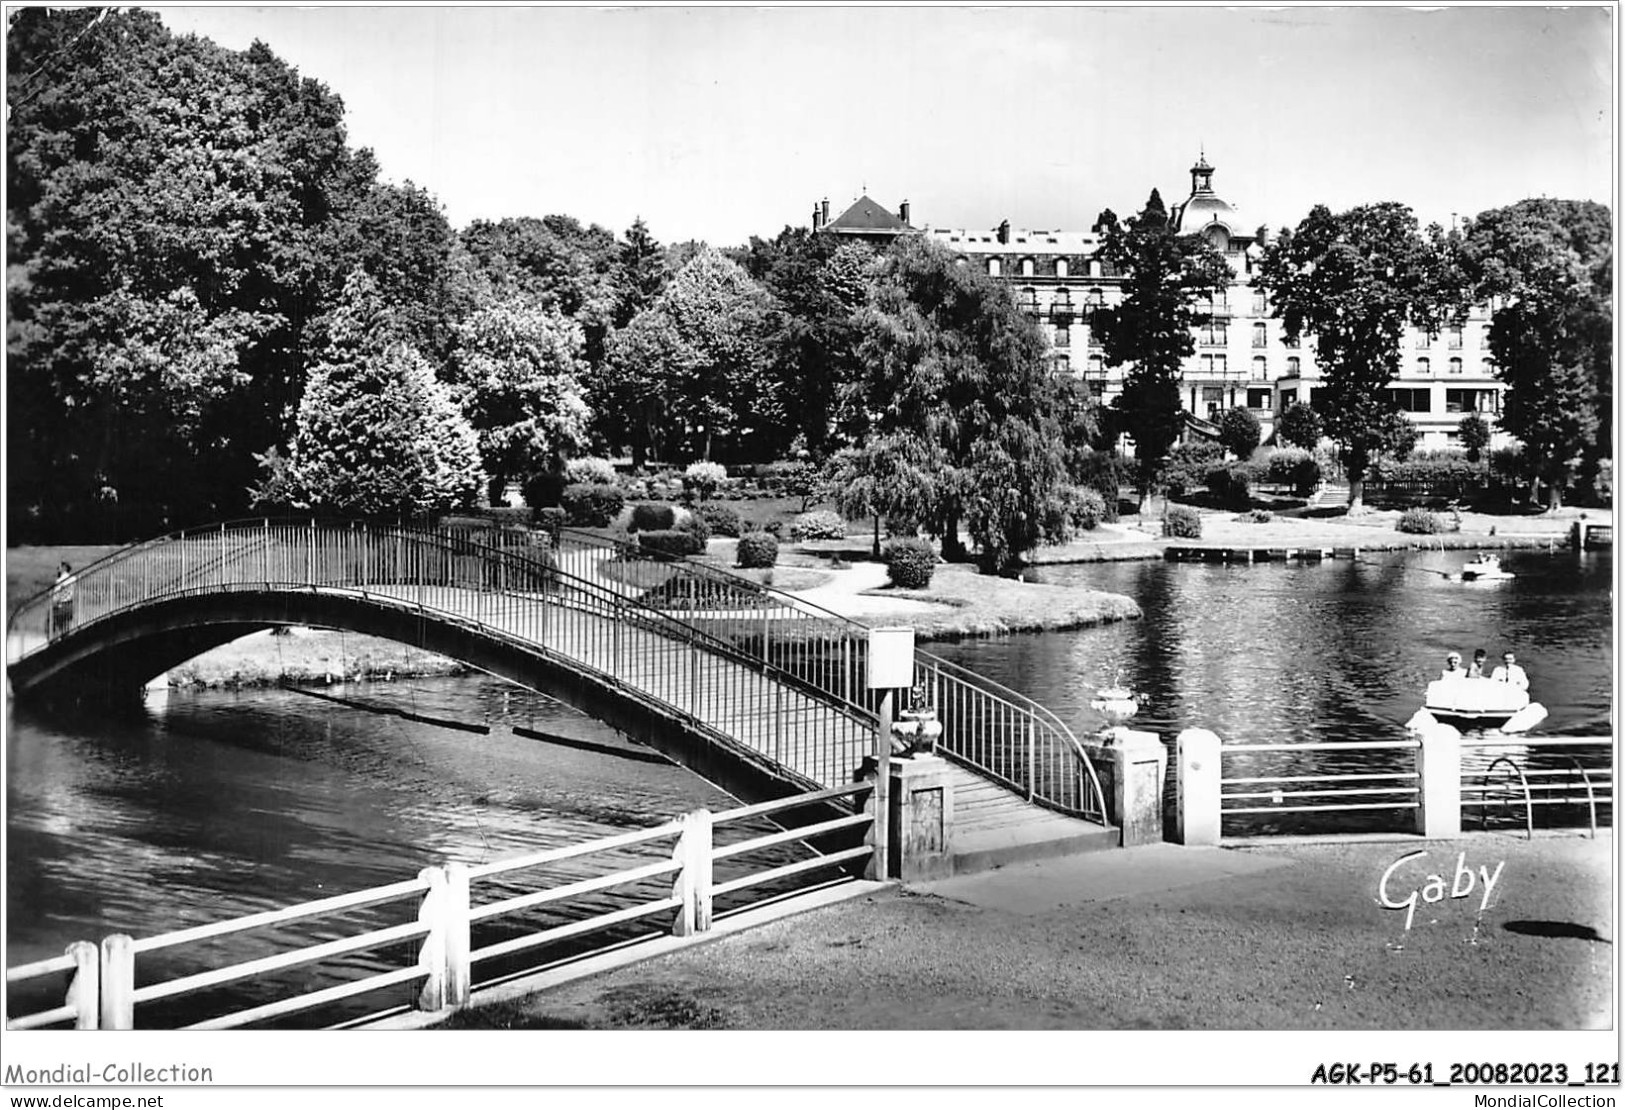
(1278, 936)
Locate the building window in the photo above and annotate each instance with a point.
(1060, 267)
(1487, 368)
(1413, 400)
(1288, 397)
(1029, 300)
(1470, 400)
(993, 267)
(1097, 366)
(1215, 333)
(1261, 369)
(1026, 267)
(1220, 368)
(1455, 366)
(1424, 367)
(1063, 337)
(1424, 340)
(1063, 363)
(1260, 335)
(1260, 303)
(1292, 366)
(1094, 267)
(1213, 399)
(1454, 336)
(1258, 398)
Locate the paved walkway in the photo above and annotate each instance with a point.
(1277, 936)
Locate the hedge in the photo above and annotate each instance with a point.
(1418, 522)
(590, 471)
(723, 519)
(670, 541)
(909, 563)
(821, 525)
(592, 504)
(1232, 484)
(758, 549)
(1182, 522)
(647, 518)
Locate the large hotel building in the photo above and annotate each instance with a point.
(1242, 357)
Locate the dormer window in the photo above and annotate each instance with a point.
(1060, 267)
(1026, 267)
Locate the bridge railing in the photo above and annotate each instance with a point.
(456, 928)
(986, 726)
(517, 582)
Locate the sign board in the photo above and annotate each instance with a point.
(891, 658)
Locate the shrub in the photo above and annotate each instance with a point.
(669, 541)
(1419, 522)
(647, 518)
(1105, 472)
(791, 479)
(550, 521)
(821, 525)
(544, 489)
(909, 563)
(1188, 464)
(592, 505)
(758, 549)
(1474, 431)
(1232, 484)
(1182, 522)
(1299, 426)
(1085, 508)
(590, 472)
(1239, 432)
(724, 520)
(695, 526)
(703, 478)
(1255, 516)
(1295, 467)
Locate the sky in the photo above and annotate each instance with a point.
(718, 123)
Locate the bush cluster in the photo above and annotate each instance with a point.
(1232, 484)
(820, 525)
(1105, 472)
(1255, 516)
(1084, 508)
(1188, 465)
(592, 504)
(590, 471)
(758, 549)
(1291, 466)
(704, 478)
(647, 518)
(1182, 522)
(723, 520)
(1438, 469)
(670, 541)
(909, 563)
(1418, 521)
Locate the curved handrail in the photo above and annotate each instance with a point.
(1528, 800)
(994, 729)
(1591, 795)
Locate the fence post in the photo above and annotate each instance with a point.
(459, 971)
(1438, 781)
(118, 982)
(1032, 753)
(693, 884)
(1199, 754)
(432, 953)
(84, 990)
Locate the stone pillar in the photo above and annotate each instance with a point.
(922, 819)
(1197, 751)
(1438, 775)
(1139, 768)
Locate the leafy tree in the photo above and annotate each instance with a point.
(1239, 432)
(1355, 280)
(520, 368)
(1548, 267)
(1474, 431)
(635, 384)
(1164, 275)
(642, 274)
(376, 434)
(1299, 426)
(889, 476)
(956, 367)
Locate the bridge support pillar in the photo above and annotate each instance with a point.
(1197, 753)
(1133, 766)
(921, 818)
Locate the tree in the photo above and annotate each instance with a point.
(1474, 432)
(642, 274)
(1547, 265)
(889, 476)
(1164, 275)
(1299, 426)
(376, 434)
(519, 367)
(1355, 280)
(1239, 432)
(957, 368)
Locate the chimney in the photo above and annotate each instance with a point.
(1004, 231)
(902, 211)
(815, 216)
(826, 212)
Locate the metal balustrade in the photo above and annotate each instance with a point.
(739, 660)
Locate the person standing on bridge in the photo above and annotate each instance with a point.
(62, 600)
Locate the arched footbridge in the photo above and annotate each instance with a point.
(755, 689)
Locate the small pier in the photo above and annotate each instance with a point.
(1588, 535)
(1205, 554)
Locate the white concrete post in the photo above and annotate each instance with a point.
(118, 982)
(1438, 773)
(432, 953)
(84, 991)
(1198, 753)
(693, 884)
(1139, 769)
(459, 973)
